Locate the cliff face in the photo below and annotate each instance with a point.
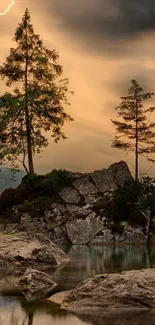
(76, 214)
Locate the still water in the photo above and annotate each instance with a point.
(85, 262)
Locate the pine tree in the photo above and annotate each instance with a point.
(36, 104)
(134, 126)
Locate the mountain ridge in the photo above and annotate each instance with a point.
(7, 179)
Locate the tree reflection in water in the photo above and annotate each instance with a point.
(86, 261)
(137, 318)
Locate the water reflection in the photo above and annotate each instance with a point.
(47, 313)
(43, 312)
(87, 261)
(145, 318)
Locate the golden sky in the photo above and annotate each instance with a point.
(103, 44)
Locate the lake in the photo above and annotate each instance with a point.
(85, 262)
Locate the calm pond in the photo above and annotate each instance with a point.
(85, 262)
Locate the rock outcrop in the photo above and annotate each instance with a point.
(27, 250)
(129, 290)
(77, 215)
(35, 284)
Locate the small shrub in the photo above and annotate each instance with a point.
(31, 179)
(55, 180)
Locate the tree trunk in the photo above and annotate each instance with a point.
(136, 161)
(28, 122)
(30, 318)
(136, 150)
(147, 215)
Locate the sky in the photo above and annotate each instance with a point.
(102, 44)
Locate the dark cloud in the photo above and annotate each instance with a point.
(106, 22)
(107, 18)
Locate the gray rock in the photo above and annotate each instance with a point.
(131, 235)
(106, 238)
(121, 172)
(35, 285)
(58, 208)
(70, 195)
(104, 180)
(49, 215)
(84, 186)
(27, 223)
(84, 211)
(127, 290)
(72, 208)
(83, 231)
(75, 175)
(92, 198)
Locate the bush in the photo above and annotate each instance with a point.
(31, 179)
(56, 180)
(126, 200)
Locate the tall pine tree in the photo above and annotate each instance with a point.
(36, 104)
(134, 125)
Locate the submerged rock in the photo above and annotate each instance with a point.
(26, 250)
(130, 290)
(35, 284)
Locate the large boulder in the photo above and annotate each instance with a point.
(131, 290)
(84, 186)
(70, 195)
(35, 284)
(26, 250)
(104, 180)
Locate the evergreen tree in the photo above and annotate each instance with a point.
(134, 125)
(36, 104)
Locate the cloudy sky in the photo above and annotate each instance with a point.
(103, 44)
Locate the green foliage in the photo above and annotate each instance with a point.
(126, 197)
(38, 106)
(36, 193)
(130, 200)
(55, 180)
(148, 200)
(31, 179)
(126, 203)
(133, 125)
